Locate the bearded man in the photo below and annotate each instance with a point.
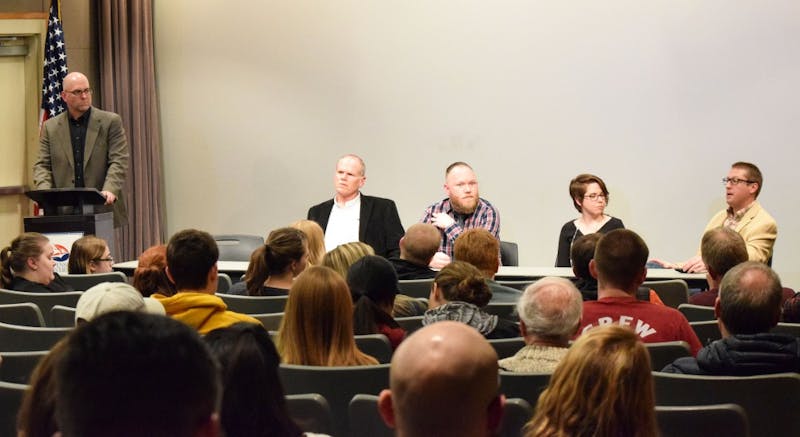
(462, 209)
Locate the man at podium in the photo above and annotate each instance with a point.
(84, 147)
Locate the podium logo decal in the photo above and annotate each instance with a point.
(60, 253)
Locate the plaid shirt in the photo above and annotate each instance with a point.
(485, 216)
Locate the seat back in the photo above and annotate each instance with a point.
(416, 287)
(506, 347)
(26, 314)
(697, 313)
(310, 412)
(10, 401)
(83, 282)
(375, 345)
(729, 420)
(17, 367)
(409, 324)
(526, 386)
(519, 285)
(271, 321)
(337, 384)
(666, 352)
(254, 304)
(45, 301)
(62, 317)
(516, 414)
(509, 253)
(787, 328)
(237, 247)
(224, 283)
(15, 338)
(505, 310)
(770, 401)
(707, 331)
(672, 292)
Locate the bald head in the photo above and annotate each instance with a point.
(76, 93)
(420, 243)
(749, 299)
(444, 381)
(550, 309)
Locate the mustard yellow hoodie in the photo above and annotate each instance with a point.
(204, 312)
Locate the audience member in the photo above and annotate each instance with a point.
(28, 265)
(134, 374)
(590, 197)
(351, 216)
(417, 248)
(317, 326)
(108, 297)
(549, 313)
(275, 264)
(253, 403)
(619, 266)
(192, 266)
(89, 254)
(462, 209)
(373, 285)
(443, 382)
(481, 249)
(744, 215)
(747, 308)
(343, 256)
(459, 292)
(37, 412)
(316, 240)
(603, 387)
(721, 250)
(150, 276)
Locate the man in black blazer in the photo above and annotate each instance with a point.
(357, 217)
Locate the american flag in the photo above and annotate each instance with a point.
(55, 65)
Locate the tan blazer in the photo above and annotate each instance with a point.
(105, 158)
(758, 229)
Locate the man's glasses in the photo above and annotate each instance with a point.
(78, 93)
(736, 181)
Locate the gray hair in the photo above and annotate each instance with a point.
(551, 308)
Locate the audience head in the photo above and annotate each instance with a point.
(134, 374)
(253, 403)
(585, 185)
(721, 249)
(603, 386)
(285, 251)
(550, 310)
(350, 176)
(480, 248)
(749, 299)
(31, 256)
(317, 326)
(37, 413)
(443, 382)
(316, 240)
(460, 281)
(373, 284)
(192, 260)
(420, 243)
(461, 186)
(619, 260)
(89, 254)
(581, 252)
(150, 276)
(108, 297)
(341, 258)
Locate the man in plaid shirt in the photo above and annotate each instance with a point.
(462, 209)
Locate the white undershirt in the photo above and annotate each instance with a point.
(343, 223)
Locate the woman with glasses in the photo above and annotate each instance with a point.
(589, 196)
(89, 255)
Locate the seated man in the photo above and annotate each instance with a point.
(192, 266)
(619, 266)
(549, 313)
(748, 307)
(417, 248)
(462, 209)
(721, 249)
(135, 374)
(482, 249)
(443, 382)
(351, 216)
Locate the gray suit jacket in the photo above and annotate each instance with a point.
(105, 158)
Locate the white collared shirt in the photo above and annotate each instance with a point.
(343, 223)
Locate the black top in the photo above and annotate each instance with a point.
(57, 285)
(77, 133)
(240, 289)
(407, 270)
(569, 233)
(743, 355)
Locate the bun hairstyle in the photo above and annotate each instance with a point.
(14, 258)
(150, 277)
(461, 281)
(283, 247)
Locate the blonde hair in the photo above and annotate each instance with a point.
(317, 326)
(84, 251)
(602, 387)
(316, 240)
(341, 258)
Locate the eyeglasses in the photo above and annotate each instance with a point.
(596, 196)
(78, 93)
(736, 181)
(109, 259)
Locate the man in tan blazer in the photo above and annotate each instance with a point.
(90, 137)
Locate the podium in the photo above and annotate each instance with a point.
(72, 211)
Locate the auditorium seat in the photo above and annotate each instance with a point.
(697, 313)
(16, 338)
(45, 301)
(310, 412)
(62, 316)
(254, 304)
(10, 401)
(672, 292)
(666, 352)
(27, 314)
(727, 420)
(526, 386)
(83, 282)
(17, 367)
